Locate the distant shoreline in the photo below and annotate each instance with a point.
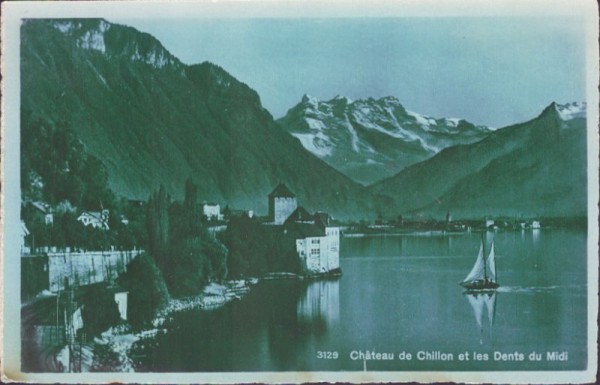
(458, 227)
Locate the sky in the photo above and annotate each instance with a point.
(495, 71)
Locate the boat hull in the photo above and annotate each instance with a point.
(480, 285)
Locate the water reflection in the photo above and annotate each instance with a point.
(313, 310)
(449, 246)
(400, 245)
(536, 236)
(482, 303)
(320, 304)
(396, 291)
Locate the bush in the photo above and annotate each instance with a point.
(196, 261)
(147, 290)
(100, 311)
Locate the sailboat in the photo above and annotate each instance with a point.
(483, 274)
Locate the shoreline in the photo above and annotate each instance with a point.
(421, 233)
(110, 351)
(335, 273)
(118, 340)
(436, 233)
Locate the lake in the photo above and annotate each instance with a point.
(399, 294)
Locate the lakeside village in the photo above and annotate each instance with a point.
(87, 301)
(85, 304)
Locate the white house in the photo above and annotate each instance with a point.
(96, 219)
(318, 252)
(212, 211)
(317, 240)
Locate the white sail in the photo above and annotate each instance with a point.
(477, 270)
(491, 264)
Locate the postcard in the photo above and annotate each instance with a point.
(290, 192)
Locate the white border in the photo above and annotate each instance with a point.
(12, 12)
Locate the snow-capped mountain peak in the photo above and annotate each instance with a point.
(369, 139)
(306, 98)
(571, 110)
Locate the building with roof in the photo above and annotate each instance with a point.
(300, 215)
(316, 238)
(317, 243)
(95, 219)
(282, 203)
(212, 211)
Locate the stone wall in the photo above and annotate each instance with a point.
(87, 268)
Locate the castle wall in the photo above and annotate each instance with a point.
(333, 247)
(320, 254)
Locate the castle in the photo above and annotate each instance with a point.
(317, 239)
(282, 203)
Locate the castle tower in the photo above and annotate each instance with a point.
(282, 203)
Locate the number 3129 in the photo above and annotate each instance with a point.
(327, 355)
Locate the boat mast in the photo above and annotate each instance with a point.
(495, 271)
(484, 258)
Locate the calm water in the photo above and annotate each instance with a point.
(398, 293)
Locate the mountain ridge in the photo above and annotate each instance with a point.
(152, 120)
(532, 168)
(160, 121)
(370, 139)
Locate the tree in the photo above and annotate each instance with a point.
(191, 267)
(247, 245)
(188, 255)
(217, 255)
(100, 311)
(157, 222)
(255, 250)
(186, 219)
(191, 194)
(147, 290)
(73, 230)
(197, 261)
